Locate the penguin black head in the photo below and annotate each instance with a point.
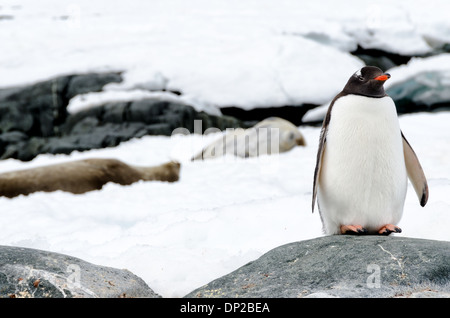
(368, 81)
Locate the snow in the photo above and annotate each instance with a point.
(217, 53)
(422, 80)
(439, 64)
(220, 215)
(257, 53)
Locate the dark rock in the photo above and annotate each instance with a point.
(32, 115)
(293, 113)
(146, 110)
(92, 82)
(381, 57)
(82, 122)
(39, 109)
(11, 137)
(342, 266)
(85, 126)
(35, 109)
(30, 273)
(426, 91)
(381, 62)
(156, 115)
(110, 124)
(158, 129)
(115, 112)
(56, 145)
(34, 119)
(24, 150)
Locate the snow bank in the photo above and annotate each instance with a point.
(423, 80)
(217, 53)
(222, 213)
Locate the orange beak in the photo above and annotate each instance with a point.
(383, 77)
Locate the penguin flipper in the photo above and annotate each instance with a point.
(415, 172)
(322, 143)
(320, 152)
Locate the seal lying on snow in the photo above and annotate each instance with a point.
(272, 135)
(81, 176)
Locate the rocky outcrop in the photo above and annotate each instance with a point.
(341, 266)
(330, 266)
(34, 119)
(427, 91)
(31, 115)
(110, 124)
(30, 273)
(39, 109)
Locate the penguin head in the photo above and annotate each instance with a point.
(368, 81)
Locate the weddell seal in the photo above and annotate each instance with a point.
(81, 176)
(364, 160)
(270, 136)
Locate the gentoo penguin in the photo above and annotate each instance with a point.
(364, 160)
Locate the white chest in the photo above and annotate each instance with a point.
(364, 129)
(363, 173)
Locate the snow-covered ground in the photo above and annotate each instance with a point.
(222, 213)
(251, 53)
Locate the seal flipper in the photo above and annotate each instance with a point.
(415, 172)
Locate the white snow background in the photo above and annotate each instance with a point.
(225, 212)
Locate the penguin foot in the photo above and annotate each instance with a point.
(388, 229)
(353, 229)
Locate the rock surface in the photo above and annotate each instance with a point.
(30, 273)
(34, 118)
(341, 266)
(39, 109)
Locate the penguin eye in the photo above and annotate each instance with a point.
(359, 75)
(360, 78)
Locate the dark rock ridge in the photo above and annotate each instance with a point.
(31, 273)
(386, 60)
(39, 109)
(379, 58)
(341, 266)
(293, 113)
(110, 124)
(34, 119)
(425, 92)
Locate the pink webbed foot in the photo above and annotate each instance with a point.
(388, 229)
(353, 229)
